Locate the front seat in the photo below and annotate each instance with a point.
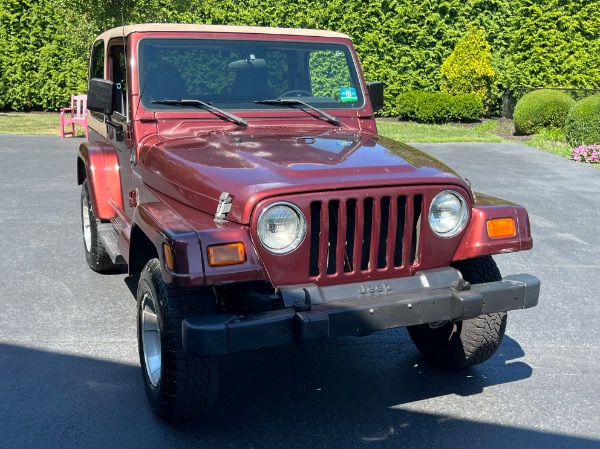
(251, 84)
(162, 81)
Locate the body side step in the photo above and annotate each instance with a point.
(109, 237)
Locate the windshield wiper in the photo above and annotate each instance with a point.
(293, 102)
(202, 105)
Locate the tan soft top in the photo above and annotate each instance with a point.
(157, 27)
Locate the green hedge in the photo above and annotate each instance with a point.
(439, 107)
(583, 122)
(43, 43)
(541, 109)
(41, 62)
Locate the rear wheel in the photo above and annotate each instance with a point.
(461, 344)
(95, 254)
(179, 387)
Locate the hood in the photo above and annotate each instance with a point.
(253, 165)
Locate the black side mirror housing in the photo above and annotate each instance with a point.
(375, 89)
(101, 96)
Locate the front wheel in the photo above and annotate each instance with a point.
(95, 254)
(179, 387)
(464, 343)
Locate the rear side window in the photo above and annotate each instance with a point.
(97, 69)
(97, 61)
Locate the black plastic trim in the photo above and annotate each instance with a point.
(357, 309)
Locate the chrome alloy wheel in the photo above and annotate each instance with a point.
(151, 341)
(85, 220)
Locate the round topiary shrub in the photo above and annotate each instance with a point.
(583, 122)
(539, 109)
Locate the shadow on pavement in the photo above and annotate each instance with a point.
(334, 395)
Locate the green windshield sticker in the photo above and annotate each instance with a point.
(348, 94)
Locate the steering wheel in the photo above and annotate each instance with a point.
(295, 93)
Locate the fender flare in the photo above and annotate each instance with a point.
(100, 166)
(157, 223)
(476, 241)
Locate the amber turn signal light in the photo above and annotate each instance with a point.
(501, 227)
(168, 256)
(228, 254)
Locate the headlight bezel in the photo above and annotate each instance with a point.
(462, 216)
(298, 239)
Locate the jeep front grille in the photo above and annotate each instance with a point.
(364, 234)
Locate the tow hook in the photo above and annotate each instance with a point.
(461, 285)
(302, 306)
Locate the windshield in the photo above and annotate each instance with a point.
(234, 74)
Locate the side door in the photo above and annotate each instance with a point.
(118, 127)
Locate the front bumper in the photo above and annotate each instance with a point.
(317, 313)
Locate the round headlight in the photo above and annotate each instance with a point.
(281, 228)
(448, 214)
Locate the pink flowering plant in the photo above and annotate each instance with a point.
(587, 153)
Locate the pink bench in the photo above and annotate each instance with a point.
(76, 114)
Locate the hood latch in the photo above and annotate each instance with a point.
(224, 206)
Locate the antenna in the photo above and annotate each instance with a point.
(125, 60)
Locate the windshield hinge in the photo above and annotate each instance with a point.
(224, 206)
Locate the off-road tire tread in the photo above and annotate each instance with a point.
(479, 270)
(471, 341)
(190, 383)
(98, 258)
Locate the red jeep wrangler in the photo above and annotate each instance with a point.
(239, 172)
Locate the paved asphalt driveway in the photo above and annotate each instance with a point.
(70, 377)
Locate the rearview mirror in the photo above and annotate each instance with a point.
(250, 63)
(101, 96)
(375, 89)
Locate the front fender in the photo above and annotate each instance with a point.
(100, 166)
(476, 242)
(159, 224)
(189, 232)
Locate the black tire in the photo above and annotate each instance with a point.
(95, 254)
(462, 344)
(183, 387)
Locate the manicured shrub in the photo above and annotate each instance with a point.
(469, 69)
(467, 107)
(541, 109)
(434, 107)
(439, 107)
(583, 122)
(408, 103)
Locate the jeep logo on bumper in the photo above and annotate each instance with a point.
(374, 289)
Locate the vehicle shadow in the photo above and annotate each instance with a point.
(350, 393)
(374, 391)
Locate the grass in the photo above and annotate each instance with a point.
(418, 132)
(493, 130)
(44, 123)
(30, 123)
(552, 141)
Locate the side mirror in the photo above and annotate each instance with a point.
(101, 96)
(375, 89)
